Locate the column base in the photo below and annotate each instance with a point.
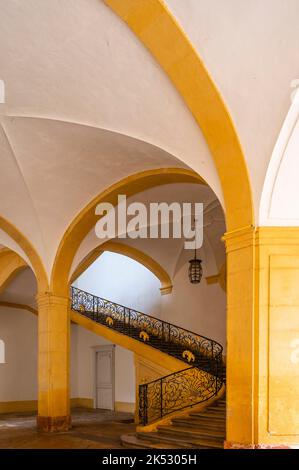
(54, 424)
(239, 445)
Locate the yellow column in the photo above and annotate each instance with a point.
(263, 338)
(53, 363)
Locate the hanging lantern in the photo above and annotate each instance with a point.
(195, 270)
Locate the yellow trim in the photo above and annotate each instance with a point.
(130, 252)
(82, 403)
(22, 406)
(86, 219)
(18, 306)
(213, 279)
(158, 30)
(25, 244)
(124, 407)
(219, 278)
(11, 264)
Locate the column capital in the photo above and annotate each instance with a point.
(50, 299)
(240, 238)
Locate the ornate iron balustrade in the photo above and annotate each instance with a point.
(175, 392)
(172, 392)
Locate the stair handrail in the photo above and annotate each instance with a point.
(215, 347)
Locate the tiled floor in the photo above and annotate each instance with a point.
(92, 429)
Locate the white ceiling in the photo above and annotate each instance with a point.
(86, 104)
(168, 251)
(251, 50)
(77, 83)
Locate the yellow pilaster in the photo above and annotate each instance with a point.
(278, 308)
(53, 363)
(263, 337)
(241, 329)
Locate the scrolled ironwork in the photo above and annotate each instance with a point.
(172, 392)
(175, 392)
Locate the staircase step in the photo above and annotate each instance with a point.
(158, 437)
(181, 442)
(189, 432)
(202, 430)
(184, 435)
(205, 415)
(217, 409)
(203, 419)
(197, 424)
(132, 441)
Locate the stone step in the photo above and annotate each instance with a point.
(202, 430)
(199, 424)
(198, 441)
(158, 437)
(184, 442)
(205, 423)
(132, 441)
(205, 415)
(188, 431)
(185, 432)
(217, 409)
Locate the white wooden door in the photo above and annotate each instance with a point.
(105, 379)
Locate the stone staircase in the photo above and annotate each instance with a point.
(198, 430)
(200, 381)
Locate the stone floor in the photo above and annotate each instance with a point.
(92, 429)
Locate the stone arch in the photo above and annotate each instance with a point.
(130, 252)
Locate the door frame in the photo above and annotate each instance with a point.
(96, 349)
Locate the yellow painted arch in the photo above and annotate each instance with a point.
(18, 306)
(24, 243)
(10, 265)
(86, 219)
(130, 252)
(158, 30)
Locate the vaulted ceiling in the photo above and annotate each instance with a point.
(86, 104)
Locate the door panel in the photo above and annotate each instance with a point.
(105, 379)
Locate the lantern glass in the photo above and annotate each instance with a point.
(195, 271)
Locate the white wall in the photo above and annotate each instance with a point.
(18, 376)
(120, 279)
(124, 367)
(198, 307)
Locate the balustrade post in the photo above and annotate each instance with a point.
(129, 321)
(93, 307)
(143, 407)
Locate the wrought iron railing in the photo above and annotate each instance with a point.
(175, 391)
